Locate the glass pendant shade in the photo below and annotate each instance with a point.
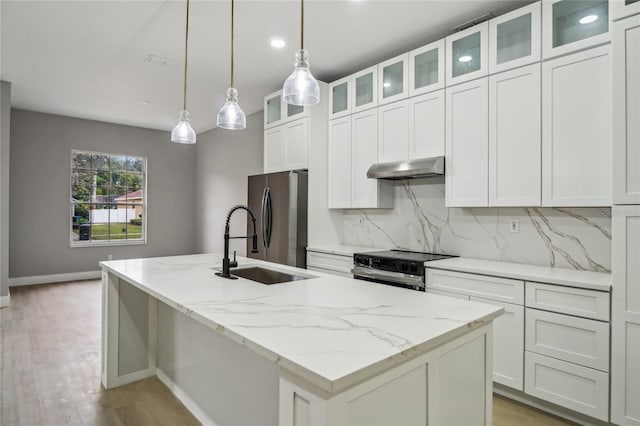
(301, 88)
(231, 115)
(183, 132)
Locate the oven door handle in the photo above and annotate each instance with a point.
(394, 277)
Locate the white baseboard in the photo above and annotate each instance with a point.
(5, 300)
(185, 399)
(55, 278)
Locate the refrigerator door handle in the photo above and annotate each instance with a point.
(263, 217)
(269, 217)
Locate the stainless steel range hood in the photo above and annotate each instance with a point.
(411, 169)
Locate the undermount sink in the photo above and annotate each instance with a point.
(267, 276)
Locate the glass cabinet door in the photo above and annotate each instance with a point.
(339, 98)
(273, 109)
(365, 93)
(295, 111)
(426, 68)
(392, 79)
(571, 25)
(467, 54)
(514, 39)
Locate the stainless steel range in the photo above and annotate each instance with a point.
(394, 267)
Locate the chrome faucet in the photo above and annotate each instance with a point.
(227, 263)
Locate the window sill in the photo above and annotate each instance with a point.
(77, 244)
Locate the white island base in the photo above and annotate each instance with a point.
(227, 380)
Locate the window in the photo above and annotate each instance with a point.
(108, 200)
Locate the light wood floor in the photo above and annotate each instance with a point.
(50, 369)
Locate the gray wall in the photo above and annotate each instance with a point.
(225, 159)
(5, 118)
(41, 146)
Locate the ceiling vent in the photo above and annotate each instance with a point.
(161, 61)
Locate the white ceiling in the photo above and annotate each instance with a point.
(87, 58)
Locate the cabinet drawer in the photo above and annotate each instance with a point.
(572, 339)
(493, 288)
(448, 294)
(578, 388)
(508, 344)
(568, 300)
(329, 271)
(331, 262)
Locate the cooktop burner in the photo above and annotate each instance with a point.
(413, 256)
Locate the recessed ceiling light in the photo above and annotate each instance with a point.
(465, 58)
(278, 43)
(588, 19)
(145, 102)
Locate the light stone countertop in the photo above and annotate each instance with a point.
(541, 274)
(332, 331)
(342, 250)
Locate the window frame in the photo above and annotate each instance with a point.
(107, 243)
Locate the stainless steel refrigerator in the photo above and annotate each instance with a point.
(279, 201)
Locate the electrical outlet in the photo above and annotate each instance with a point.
(361, 221)
(110, 257)
(514, 225)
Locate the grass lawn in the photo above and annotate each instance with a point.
(114, 231)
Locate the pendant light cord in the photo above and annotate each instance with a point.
(232, 28)
(186, 56)
(301, 24)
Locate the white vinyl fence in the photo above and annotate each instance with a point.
(112, 215)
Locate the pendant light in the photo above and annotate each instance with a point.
(183, 132)
(301, 88)
(231, 115)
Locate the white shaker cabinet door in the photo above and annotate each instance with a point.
(275, 155)
(366, 192)
(508, 344)
(393, 132)
(426, 125)
(339, 170)
(296, 137)
(625, 325)
(467, 140)
(626, 111)
(623, 8)
(576, 130)
(514, 137)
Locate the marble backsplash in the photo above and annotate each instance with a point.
(578, 238)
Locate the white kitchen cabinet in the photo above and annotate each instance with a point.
(426, 68)
(626, 110)
(364, 89)
(569, 300)
(569, 26)
(467, 144)
(393, 77)
(426, 125)
(285, 146)
(365, 192)
(508, 344)
(393, 132)
(623, 8)
(335, 264)
(277, 112)
(514, 137)
(486, 287)
(340, 102)
(514, 39)
(275, 150)
(467, 57)
(576, 129)
(455, 296)
(625, 327)
(578, 388)
(339, 161)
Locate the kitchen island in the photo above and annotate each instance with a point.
(322, 350)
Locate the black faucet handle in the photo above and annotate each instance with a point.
(233, 263)
(254, 248)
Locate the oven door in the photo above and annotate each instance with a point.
(398, 279)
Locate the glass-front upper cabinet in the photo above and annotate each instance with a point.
(393, 76)
(364, 85)
(426, 68)
(273, 109)
(277, 112)
(570, 25)
(467, 54)
(624, 8)
(340, 98)
(514, 39)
